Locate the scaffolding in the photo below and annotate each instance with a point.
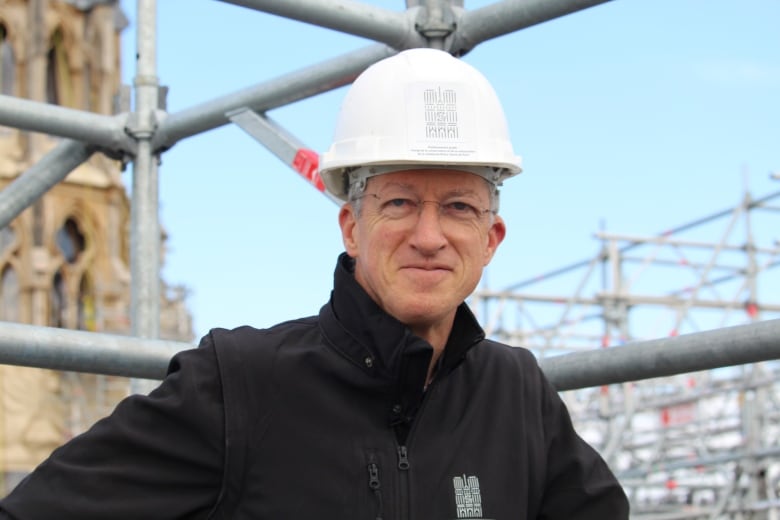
(696, 444)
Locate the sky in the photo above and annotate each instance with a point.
(632, 116)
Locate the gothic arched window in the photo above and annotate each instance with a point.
(93, 86)
(7, 238)
(87, 316)
(7, 64)
(70, 241)
(59, 83)
(58, 302)
(9, 295)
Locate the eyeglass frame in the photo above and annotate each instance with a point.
(419, 204)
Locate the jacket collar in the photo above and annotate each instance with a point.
(380, 344)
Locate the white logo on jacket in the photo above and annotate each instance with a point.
(468, 500)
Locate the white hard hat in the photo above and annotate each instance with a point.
(421, 108)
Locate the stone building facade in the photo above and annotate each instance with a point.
(64, 262)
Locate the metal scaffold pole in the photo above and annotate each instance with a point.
(40, 177)
(145, 225)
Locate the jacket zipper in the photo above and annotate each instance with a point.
(404, 504)
(375, 485)
(403, 487)
(403, 460)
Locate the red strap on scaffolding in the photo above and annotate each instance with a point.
(306, 162)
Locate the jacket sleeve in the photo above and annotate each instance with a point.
(578, 484)
(156, 456)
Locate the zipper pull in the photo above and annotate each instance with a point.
(403, 458)
(375, 485)
(373, 476)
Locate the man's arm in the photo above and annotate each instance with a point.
(156, 456)
(579, 485)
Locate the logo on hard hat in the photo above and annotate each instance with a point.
(441, 122)
(441, 113)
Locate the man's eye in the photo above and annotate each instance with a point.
(397, 207)
(461, 207)
(399, 203)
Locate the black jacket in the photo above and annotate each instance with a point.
(327, 417)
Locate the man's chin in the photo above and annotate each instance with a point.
(422, 312)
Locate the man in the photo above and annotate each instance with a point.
(390, 403)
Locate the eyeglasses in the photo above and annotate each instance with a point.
(400, 207)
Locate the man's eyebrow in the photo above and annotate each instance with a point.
(461, 192)
(397, 184)
(453, 192)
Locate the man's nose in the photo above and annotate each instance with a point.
(428, 234)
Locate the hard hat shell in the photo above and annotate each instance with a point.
(420, 108)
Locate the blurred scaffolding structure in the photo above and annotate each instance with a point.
(697, 444)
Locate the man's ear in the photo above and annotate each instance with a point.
(348, 223)
(496, 235)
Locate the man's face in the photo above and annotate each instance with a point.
(419, 260)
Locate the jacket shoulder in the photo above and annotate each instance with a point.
(239, 343)
(494, 351)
